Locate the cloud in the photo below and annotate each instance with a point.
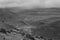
(29, 3)
(52, 3)
(17, 2)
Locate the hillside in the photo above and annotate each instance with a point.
(33, 24)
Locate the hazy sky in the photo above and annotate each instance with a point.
(29, 3)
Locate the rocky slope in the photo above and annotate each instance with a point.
(37, 24)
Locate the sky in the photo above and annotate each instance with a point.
(30, 3)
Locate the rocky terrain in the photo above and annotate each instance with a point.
(35, 24)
